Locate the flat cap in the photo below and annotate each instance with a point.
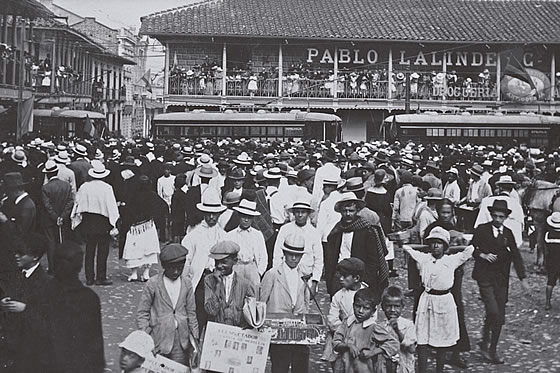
(173, 252)
(223, 249)
(352, 266)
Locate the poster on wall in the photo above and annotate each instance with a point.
(230, 349)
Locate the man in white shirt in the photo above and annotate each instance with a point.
(451, 190)
(327, 217)
(311, 264)
(328, 171)
(166, 185)
(252, 258)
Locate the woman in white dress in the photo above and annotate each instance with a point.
(437, 324)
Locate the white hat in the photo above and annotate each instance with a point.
(140, 343)
(211, 202)
(554, 220)
(301, 205)
(98, 170)
(505, 179)
(247, 208)
(440, 234)
(273, 173)
(204, 159)
(62, 157)
(50, 166)
(453, 170)
(80, 150)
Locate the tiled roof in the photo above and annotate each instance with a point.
(406, 20)
(28, 8)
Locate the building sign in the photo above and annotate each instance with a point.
(230, 349)
(514, 89)
(406, 58)
(465, 92)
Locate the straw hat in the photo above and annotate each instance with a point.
(273, 173)
(348, 197)
(505, 179)
(80, 150)
(50, 166)
(247, 208)
(300, 205)
(554, 220)
(98, 170)
(206, 171)
(294, 244)
(211, 202)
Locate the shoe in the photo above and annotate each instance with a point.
(104, 282)
(495, 358)
(459, 362)
(393, 274)
(89, 282)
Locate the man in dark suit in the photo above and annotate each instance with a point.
(73, 316)
(58, 201)
(81, 165)
(25, 308)
(179, 209)
(495, 250)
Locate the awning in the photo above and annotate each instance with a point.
(78, 114)
(26, 8)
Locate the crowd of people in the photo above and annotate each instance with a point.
(233, 220)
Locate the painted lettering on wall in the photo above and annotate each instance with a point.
(421, 58)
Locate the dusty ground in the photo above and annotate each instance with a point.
(530, 341)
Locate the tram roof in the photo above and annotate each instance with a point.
(66, 113)
(233, 116)
(467, 118)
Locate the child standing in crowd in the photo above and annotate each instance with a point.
(225, 290)
(167, 309)
(135, 349)
(552, 242)
(437, 323)
(284, 291)
(403, 329)
(351, 271)
(362, 343)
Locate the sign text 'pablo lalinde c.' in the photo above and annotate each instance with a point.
(371, 56)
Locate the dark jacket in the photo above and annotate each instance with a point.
(74, 325)
(363, 248)
(58, 201)
(32, 332)
(507, 251)
(194, 215)
(222, 310)
(80, 167)
(179, 213)
(21, 216)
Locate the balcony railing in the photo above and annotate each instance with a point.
(345, 88)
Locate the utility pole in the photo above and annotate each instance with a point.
(20, 123)
(407, 92)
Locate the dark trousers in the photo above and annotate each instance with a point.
(53, 235)
(494, 297)
(284, 356)
(97, 243)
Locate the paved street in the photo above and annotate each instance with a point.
(530, 341)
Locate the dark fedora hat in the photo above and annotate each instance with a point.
(13, 180)
(500, 205)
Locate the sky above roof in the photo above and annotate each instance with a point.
(119, 13)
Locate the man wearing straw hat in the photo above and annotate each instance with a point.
(204, 173)
(252, 258)
(58, 201)
(199, 241)
(80, 165)
(311, 263)
(64, 173)
(96, 213)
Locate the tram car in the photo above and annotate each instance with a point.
(69, 123)
(264, 125)
(534, 130)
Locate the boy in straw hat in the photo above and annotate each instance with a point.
(552, 244)
(225, 290)
(284, 291)
(312, 261)
(167, 309)
(252, 258)
(135, 349)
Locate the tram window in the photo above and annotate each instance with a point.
(293, 131)
(258, 131)
(275, 131)
(207, 131)
(190, 131)
(71, 129)
(508, 133)
(429, 132)
(223, 131)
(241, 131)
